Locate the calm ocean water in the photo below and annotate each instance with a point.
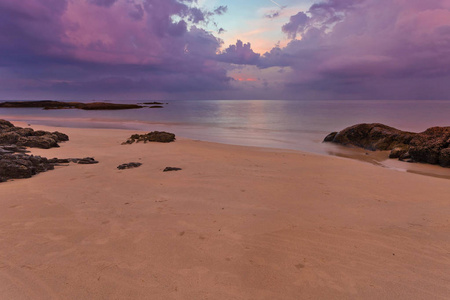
(296, 125)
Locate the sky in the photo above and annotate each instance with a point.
(224, 49)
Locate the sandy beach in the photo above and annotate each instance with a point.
(235, 223)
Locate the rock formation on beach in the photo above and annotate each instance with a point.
(169, 169)
(48, 104)
(431, 146)
(154, 136)
(15, 163)
(130, 165)
(12, 135)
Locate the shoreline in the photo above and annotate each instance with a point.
(378, 158)
(235, 223)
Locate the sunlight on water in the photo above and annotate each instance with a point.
(296, 125)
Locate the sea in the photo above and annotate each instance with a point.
(279, 124)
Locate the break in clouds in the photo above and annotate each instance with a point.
(356, 49)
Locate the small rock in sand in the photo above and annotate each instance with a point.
(168, 169)
(129, 165)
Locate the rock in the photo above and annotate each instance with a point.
(129, 165)
(62, 137)
(85, 161)
(12, 135)
(154, 103)
(154, 136)
(427, 146)
(8, 138)
(430, 146)
(43, 141)
(398, 152)
(14, 163)
(105, 106)
(444, 157)
(168, 169)
(371, 137)
(47, 104)
(330, 137)
(22, 166)
(59, 160)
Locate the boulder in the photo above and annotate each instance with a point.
(430, 146)
(12, 135)
(43, 141)
(22, 166)
(154, 136)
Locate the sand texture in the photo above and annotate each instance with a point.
(234, 223)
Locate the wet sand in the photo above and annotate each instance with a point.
(235, 223)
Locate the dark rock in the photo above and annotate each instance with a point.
(43, 141)
(330, 137)
(444, 157)
(106, 106)
(9, 137)
(427, 146)
(22, 166)
(430, 146)
(168, 169)
(14, 163)
(154, 136)
(85, 161)
(154, 103)
(62, 137)
(371, 137)
(47, 104)
(12, 135)
(398, 152)
(404, 157)
(129, 165)
(59, 160)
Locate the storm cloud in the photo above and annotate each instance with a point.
(52, 46)
(337, 49)
(389, 49)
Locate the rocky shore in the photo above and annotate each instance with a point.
(431, 146)
(15, 163)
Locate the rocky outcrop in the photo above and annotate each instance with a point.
(129, 165)
(431, 146)
(48, 104)
(22, 166)
(15, 163)
(154, 136)
(27, 137)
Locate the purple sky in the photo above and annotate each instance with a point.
(179, 49)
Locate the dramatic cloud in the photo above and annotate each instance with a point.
(240, 53)
(297, 23)
(52, 46)
(368, 49)
(358, 49)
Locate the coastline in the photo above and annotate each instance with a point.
(312, 143)
(235, 223)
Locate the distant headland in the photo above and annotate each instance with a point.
(50, 104)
